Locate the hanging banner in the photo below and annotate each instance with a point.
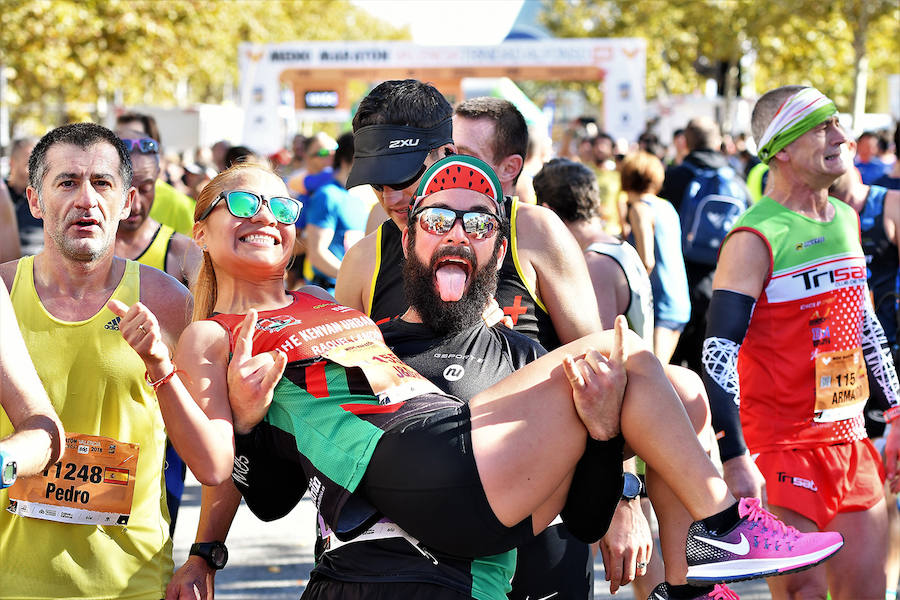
(268, 71)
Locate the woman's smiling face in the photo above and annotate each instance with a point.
(244, 245)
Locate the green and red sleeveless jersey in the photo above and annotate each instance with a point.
(341, 389)
(801, 368)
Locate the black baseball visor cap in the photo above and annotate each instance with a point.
(385, 153)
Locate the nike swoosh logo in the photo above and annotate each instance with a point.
(553, 595)
(826, 360)
(741, 548)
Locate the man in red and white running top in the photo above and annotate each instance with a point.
(791, 335)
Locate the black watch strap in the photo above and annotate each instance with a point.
(215, 553)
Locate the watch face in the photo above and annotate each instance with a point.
(219, 556)
(8, 474)
(632, 486)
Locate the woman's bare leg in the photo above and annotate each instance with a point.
(527, 436)
(672, 517)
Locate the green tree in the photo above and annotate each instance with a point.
(815, 42)
(62, 58)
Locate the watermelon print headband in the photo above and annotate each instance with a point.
(462, 172)
(799, 113)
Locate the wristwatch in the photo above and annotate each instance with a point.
(215, 553)
(633, 486)
(8, 470)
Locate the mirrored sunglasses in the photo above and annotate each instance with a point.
(142, 145)
(438, 220)
(244, 204)
(378, 187)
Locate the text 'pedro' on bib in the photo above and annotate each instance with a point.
(92, 484)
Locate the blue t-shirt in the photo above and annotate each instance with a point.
(332, 207)
(870, 171)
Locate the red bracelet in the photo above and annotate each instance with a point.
(162, 380)
(891, 414)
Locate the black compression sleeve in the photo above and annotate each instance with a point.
(726, 325)
(270, 484)
(595, 490)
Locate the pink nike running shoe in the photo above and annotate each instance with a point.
(719, 592)
(758, 546)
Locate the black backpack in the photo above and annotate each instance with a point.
(713, 200)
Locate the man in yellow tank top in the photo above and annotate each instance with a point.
(95, 524)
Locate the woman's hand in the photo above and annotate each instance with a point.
(252, 379)
(598, 386)
(141, 330)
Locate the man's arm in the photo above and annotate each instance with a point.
(169, 300)
(740, 275)
(354, 280)
(318, 240)
(892, 216)
(610, 286)
(555, 265)
(195, 579)
(37, 441)
(184, 259)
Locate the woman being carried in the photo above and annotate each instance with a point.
(370, 437)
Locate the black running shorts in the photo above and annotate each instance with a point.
(330, 589)
(423, 477)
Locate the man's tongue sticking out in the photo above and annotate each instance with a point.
(451, 281)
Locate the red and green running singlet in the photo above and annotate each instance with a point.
(801, 368)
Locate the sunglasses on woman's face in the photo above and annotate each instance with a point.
(143, 145)
(244, 204)
(438, 220)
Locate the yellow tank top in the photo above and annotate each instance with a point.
(171, 207)
(96, 383)
(155, 254)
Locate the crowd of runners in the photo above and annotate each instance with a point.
(485, 355)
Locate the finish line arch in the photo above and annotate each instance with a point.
(277, 79)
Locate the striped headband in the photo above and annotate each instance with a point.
(797, 115)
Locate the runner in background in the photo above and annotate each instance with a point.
(791, 336)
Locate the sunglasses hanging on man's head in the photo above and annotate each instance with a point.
(143, 145)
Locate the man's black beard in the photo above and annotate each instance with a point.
(448, 317)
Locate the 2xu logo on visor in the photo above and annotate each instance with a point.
(403, 143)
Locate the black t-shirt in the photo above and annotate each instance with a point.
(464, 363)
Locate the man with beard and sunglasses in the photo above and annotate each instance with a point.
(450, 274)
(401, 128)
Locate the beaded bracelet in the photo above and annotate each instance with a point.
(162, 380)
(891, 414)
